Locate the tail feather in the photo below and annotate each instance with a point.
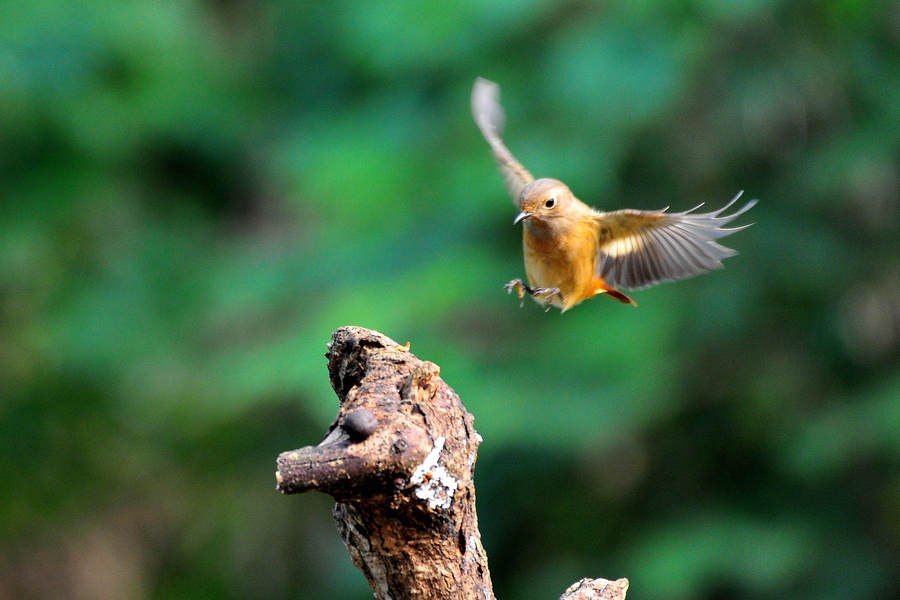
(617, 295)
(600, 287)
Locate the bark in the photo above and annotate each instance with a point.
(399, 461)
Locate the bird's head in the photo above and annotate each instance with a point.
(544, 200)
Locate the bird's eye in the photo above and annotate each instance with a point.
(550, 203)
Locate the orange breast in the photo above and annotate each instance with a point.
(564, 259)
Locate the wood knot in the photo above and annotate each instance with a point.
(360, 424)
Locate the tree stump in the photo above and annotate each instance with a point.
(399, 460)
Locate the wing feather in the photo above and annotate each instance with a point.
(490, 119)
(652, 257)
(679, 262)
(640, 248)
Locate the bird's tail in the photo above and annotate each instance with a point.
(600, 287)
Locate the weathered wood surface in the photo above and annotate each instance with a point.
(399, 461)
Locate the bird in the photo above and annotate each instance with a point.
(574, 252)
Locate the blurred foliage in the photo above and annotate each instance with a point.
(195, 194)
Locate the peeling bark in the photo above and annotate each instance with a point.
(399, 461)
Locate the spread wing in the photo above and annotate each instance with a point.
(490, 120)
(640, 248)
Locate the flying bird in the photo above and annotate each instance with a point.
(574, 252)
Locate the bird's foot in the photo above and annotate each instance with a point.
(547, 294)
(520, 287)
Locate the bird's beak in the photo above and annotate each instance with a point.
(522, 216)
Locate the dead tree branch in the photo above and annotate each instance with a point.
(399, 461)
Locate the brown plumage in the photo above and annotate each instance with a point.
(573, 252)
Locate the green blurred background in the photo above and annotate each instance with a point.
(195, 194)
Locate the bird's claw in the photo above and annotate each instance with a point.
(520, 288)
(547, 293)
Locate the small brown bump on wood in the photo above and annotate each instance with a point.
(360, 424)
